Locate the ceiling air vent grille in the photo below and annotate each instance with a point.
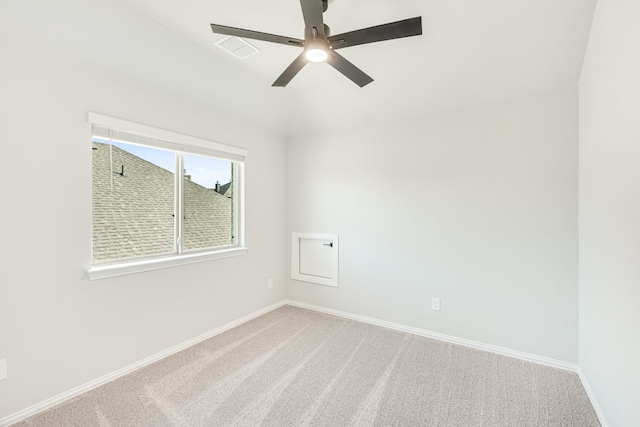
(237, 47)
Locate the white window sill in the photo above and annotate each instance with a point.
(113, 270)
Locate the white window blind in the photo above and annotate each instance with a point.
(124, 130)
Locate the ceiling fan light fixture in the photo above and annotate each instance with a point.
(316, 51)
(316, 55)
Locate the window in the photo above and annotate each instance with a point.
(160, 198)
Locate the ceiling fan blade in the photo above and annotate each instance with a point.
(291, 71)
(352, 72)
(256, 35)
(312, 13)
(393, 30)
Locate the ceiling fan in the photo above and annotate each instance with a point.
(320, 46)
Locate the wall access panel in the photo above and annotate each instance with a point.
(314, 258)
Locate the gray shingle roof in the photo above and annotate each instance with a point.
(136, 218)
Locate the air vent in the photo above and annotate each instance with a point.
(237, 47)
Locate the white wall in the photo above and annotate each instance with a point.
(476, 206)
(610, 212)
(58, 330)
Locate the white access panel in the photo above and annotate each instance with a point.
(314, 258)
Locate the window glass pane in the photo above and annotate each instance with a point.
(133, 201)
(208, 202)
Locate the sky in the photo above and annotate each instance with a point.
(205, 171)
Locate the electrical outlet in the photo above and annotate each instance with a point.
(270, 284)
(3, 369)
(435, 304)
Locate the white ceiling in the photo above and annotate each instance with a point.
(470, 52)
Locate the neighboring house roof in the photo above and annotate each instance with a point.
(226, 190)
(136, 218)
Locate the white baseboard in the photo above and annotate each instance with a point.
(442, 337)
(32, 410)
(39, 407)
(592, 398)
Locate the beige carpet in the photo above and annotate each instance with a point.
(294, 367)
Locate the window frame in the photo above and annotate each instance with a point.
(180, 144)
